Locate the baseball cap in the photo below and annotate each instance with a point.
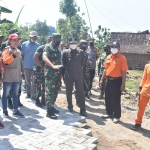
(33, 34)
(13, 36)
(115, 44)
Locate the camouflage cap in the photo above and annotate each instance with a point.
(56, 36)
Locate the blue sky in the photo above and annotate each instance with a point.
(117, 15)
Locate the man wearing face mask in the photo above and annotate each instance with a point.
(73, 61)
(86, 71)
(52, 74)
(115, 73)
(28, 49)
(101, 69)
(92, 57)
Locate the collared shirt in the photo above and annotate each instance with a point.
(115, 65)
(28, 49)
(92, 56)
(145, 83)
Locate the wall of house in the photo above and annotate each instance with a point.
(137, 61)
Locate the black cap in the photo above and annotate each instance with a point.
(13, 31)
(50, 37)
(73, 40)
(2, 36)
(115, 44)
(107, 46)
(91, 40)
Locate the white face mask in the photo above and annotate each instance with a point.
(114, 50)
(73, 46)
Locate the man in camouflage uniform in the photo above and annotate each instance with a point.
(51, 57)
(39, 82)
(86, 71)
(5, 44)
(101, 68)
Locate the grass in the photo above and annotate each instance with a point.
(133, 83)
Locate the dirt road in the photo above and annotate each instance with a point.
(112, 136)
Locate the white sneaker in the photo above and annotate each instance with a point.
(115, 120)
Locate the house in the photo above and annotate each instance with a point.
(134, 46)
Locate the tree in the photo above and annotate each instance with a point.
(103, 37)
(69, 9)
(78, 30)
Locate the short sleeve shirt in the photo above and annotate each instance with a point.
(115, 65)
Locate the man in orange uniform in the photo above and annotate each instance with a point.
(144, 96)
(115, 72)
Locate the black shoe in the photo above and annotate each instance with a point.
(54, 110)
(50, 113)
(28, 96)
(90, 93)
(83, 113)
(136, 127)
(38, 104)
(87, 96)
(70, 109)
(10, 106)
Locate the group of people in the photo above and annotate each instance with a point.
(44, 67)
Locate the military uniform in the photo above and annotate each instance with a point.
(52, 77)
(101, 69)
(39, 82)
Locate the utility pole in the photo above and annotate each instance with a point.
(89, 17)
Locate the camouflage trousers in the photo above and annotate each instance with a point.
(39, 84)
(52, 85)
(19, 93)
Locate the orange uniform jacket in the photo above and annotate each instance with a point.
(145, 83)
(115, 65)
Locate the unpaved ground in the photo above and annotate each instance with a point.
(112, 136)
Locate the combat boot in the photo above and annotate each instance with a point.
(10, 106)
(50, 113)
(43, 101)
(37, 103)
(19, 103)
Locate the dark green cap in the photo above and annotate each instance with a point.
(56, 36)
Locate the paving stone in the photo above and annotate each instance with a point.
(37, 132)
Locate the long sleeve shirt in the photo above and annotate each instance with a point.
(145, 83)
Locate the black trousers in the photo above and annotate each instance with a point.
(92, 75)
(80, 90)
(63, 73)
(113, 97)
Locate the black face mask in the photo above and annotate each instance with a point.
(57, 43)
(91, 44)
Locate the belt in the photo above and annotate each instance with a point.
(113, 78)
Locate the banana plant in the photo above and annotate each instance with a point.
(4, 10)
